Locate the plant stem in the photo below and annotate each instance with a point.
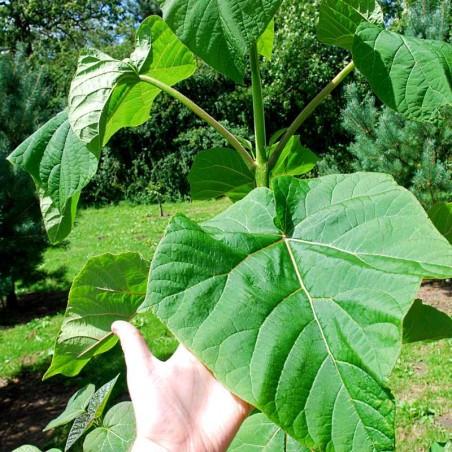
(308, 110)
(259, 120)
(197, 110)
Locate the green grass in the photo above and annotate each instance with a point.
(121, 228)
(422, 381)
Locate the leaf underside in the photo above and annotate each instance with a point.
(107, 94)
(61, 166)
(109, 288)
(295, 299)
(410, 75)
(220, 32)
(259, 434)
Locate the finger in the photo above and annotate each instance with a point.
(139, 360)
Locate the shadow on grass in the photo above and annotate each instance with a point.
(27, 403)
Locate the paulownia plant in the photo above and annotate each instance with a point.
(299, 296)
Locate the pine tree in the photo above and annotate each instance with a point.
(22, 238)
(417, 155)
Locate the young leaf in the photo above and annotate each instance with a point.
(27, 448)
(74, 408)
(107, 95)
(116, 433)
(294, 160)
(220, 32)
(94, 411)
(441, 216)
(110, 287)
(61, 166)
(295, 299)
(425, 323)
(259, 434)
(266, 41)
(220, 172)
(412, 76)
(339, 19)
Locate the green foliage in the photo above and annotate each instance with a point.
(259, 433)
(61, 166)
(295, 297)
(116, 433)
(441, 216)
(339, 20)
(76, 406)
(316, 270)
(107, 95)
(226, 47)
(424, 322)
(113, 284)
(410, 75)
(220, 172)
(415, 154)
(22, 236)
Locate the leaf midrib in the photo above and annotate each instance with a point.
(328, 349)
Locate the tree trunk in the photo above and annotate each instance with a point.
(11, 299)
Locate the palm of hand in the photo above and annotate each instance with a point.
(179, 405)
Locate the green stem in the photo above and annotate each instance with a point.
(308, 110)
(197, 110)
(259, 120)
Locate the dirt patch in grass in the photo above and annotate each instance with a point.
(26, 406)
(438, 294)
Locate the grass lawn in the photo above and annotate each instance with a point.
(422, 382)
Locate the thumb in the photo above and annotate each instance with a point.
(139, 360)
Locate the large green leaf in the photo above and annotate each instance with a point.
(75, 407)
(110, 287)
(295, 299)
(220, 32)
(412, 76)
(441, 216)
(426, 323)
(107, 95)
(294, 160)
(220, 172)
(61, 166)
(94, 411)
(339, 19)
(117, 432)
(258, 433)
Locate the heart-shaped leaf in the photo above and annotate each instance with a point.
(220, 32)
(107, 95)
(94, 411)
(117, 432)
(294, 160)
(110, 287)
(75, 407)
(410, 75)
(295, 299)
(426, 323)
(258, 434)
(339, 19)
(61, 166)
(220, 172)
(441, 216)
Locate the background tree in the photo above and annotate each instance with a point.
(22, 237)
(417, 155)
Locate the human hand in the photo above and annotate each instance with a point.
(179, 405)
